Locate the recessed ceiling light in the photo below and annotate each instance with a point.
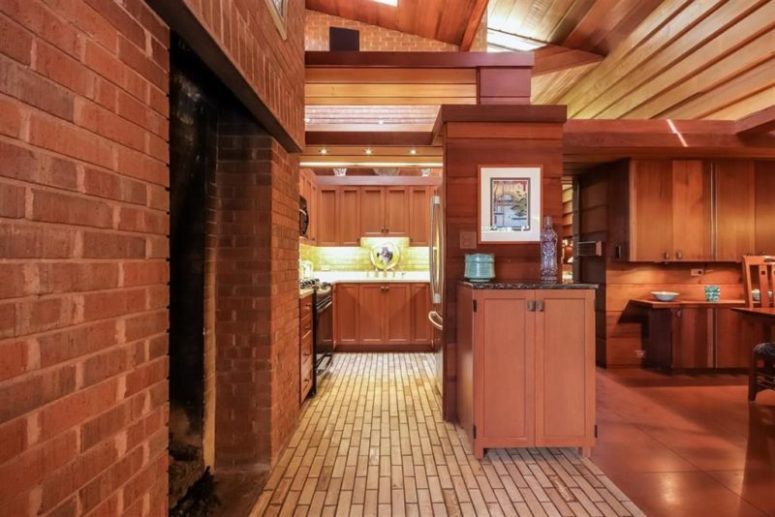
(413, 151)
(380, 122)
(368, 150)
(307, 120)
(392, 3)
(324, 151)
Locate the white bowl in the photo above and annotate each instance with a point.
(664, 296)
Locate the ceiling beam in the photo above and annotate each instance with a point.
(474, 21)
(373, 138)
(759, 122)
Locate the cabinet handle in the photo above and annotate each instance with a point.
(666, 255)
(540, 306)
(679, 254)
(531, 306)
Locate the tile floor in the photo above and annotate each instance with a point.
(372, 442)
(687, 445)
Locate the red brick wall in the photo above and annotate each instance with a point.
(83, 224)
(372, 37)
(256, 296)
(274, 66)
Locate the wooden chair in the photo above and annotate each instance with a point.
(759, 273)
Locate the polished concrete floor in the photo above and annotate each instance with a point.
(372, 442)
(687, 445)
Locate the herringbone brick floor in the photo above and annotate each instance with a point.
(372, 442)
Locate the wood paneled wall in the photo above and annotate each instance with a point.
(618, 336)
(468, 146)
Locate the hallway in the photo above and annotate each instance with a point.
(372, 442)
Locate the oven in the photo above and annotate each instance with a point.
(323, 330)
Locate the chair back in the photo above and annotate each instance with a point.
(759, 273)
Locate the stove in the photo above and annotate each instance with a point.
(308, 283)
(322, 328)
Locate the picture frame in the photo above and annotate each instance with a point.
(278, 9)
(509, 204)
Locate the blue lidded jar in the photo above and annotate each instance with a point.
(480, 267)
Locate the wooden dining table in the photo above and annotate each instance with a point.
(763, 315)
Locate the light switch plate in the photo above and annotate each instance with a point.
(467, 240)
(697, 272)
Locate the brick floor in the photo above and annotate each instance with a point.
(373, 443)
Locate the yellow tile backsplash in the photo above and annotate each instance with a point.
(356, 258)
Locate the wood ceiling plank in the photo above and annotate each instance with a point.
(555, 59)
(723, 31)
(681, 87)
(391, 75)
(549, 88)
(706, 100)
(669, 18)
(385, 138)
(329, 90)
(756, 102)
(387, 101)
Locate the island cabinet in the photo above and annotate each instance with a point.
(526, 366)
(380, 316)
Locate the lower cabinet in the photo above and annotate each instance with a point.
(700, 337)
(384, 316)
(306, 346)
(526, 367)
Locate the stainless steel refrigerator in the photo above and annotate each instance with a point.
(436, 314)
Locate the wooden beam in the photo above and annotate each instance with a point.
(554, 58)
(474, 21)
(603, 140)
(762, 121)
(380, 180)
(374, 138)
(322, 59)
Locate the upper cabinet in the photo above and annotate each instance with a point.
(419, 201)
(694, 211)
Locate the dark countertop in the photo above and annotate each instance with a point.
(514, 284)
(685, 304)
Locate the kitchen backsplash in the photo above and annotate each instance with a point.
(356, 258)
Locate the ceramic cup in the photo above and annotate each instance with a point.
(712, 293)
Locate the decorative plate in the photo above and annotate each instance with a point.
(385, 256)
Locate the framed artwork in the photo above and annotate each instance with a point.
(279, 11)
(509, 204)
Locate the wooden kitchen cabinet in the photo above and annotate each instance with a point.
(764, 231)
(735, 211)
(419, 200)
(372, 203)
(308, 189)
(396, 211)
(328, 218)
(306, 346)
(346, 328)
(348, 215)
(381, 316)
(526, 367)
(669, 211)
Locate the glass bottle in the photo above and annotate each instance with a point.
(548, 252)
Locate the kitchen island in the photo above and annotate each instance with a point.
(526, 364)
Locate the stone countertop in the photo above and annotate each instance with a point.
(524, 285)
(358, 277)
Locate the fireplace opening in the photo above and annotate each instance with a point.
(194, 95)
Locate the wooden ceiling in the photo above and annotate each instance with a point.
(443, 20)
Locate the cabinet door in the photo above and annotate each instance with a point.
(565, 373)
(692, 338)
(397, 312)
(651, 219)
(419, 215)
(504, 369)
(371, 302)
(765, 208)
(691, 211)
(396, 211)
(736, 336)
(312, 204)
(327, 216)
(349, 214)
(735, 210)
(372, 203)
(346, 318)
(422, 330)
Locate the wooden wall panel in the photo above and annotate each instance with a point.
(462, 157)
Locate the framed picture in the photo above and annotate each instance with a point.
(509, 204)
(279, 11)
